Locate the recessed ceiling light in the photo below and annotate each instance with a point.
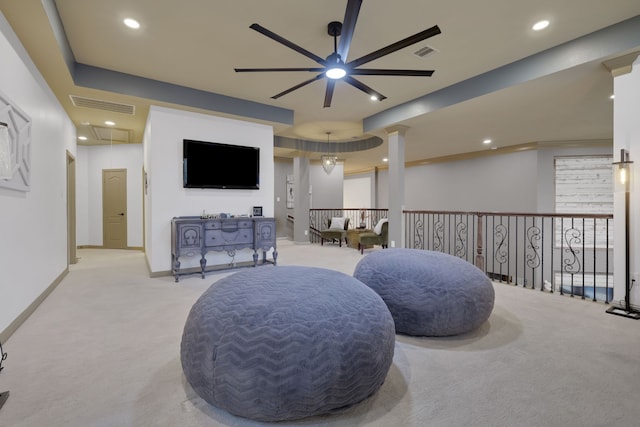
(109, 123)
(374, 98)
(487, 141)
(82, 138)
(612, 97)
(540, 25)
(131, 23)
(385, 159)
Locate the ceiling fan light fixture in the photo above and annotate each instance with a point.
(335, 66)
(336, 72)
(337, 69)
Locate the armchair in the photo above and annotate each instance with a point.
(337, 229)
(374, 238)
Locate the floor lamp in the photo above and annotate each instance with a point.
(623, 177)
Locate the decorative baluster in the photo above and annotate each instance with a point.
(479, 245)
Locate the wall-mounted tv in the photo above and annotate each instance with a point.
(215, 165)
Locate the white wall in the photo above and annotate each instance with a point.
(496, 183)
(514, 182)
(92, 161)
(326, 190)
(165, 130)
(33, 225)
(626, 135)
(357, 191)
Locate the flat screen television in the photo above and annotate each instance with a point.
(215, 165)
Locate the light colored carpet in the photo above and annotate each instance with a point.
(103, 350)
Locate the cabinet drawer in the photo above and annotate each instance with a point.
(212, 225)
(244, 223)
(214, 238)
(227, 224)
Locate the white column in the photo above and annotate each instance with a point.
(626, 135)
(396, 185)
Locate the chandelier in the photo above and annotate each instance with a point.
(328, 160)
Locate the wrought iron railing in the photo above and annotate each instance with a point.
(569, 254)
(564, 253)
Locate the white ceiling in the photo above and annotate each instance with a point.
(198, 43)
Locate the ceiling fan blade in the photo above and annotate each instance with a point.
(423, 35)
(363, 87)
(298, 86)
(287, 43)
(382, 72)
(348, 27)
(255, 70)
(328, 95)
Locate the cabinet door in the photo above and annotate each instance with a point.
(189, 237)
(265, 233)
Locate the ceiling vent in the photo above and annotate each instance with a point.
(98, 104)
(425, 51)
(109, 135)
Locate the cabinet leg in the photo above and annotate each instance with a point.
(255, 257)
(275, 256)
(203, 264)
(176, 268)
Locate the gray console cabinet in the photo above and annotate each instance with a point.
(192, 235)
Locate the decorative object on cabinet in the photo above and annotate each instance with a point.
(15, 146)
(257, 211)
(192, 235)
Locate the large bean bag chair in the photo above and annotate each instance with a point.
(287, 342)
(428, 293)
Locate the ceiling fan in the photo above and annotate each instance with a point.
(335, 67)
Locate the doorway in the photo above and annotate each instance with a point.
(72, 257)
(114, 208)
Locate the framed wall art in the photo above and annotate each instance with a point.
(289, 191)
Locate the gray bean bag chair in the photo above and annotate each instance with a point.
(428, 293)
(283, 343)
